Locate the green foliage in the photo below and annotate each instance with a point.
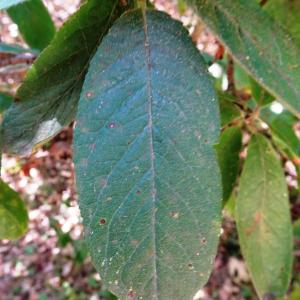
(263, 219)
(248, 32)
(34, 23)
(153, 140)
(229, 111)
(228, 150)
(5, 102)
(48, 98)
(147, 140)
(282, 126)
(287, 13)
(13, 213)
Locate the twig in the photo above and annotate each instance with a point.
(27, 59)
(230, 76)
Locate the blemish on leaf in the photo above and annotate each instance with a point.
(203, 241)
(102, 221)
(89, 94)
(92, 147)
(108, 199)
(150, 254)
(134, 242)
(257, 217)
(256, 220)
(175, 214)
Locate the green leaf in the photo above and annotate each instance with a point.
(248, 32)
(247, 83)
(259, 94)
(229, 206)
(8, 3)
(49, 96)
(147, 173)
(229, 110)
(283, 134)
(286, 12)
(5, 102)
(13, 213)
(263, 219)
(295, 294)
(241, 79)
(34, 23)
(228, 150)
(15, 49)
(283, 126)
(296, 229)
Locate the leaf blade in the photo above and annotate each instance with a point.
(13, 213)
(228, 150)
(288, 14)
(5, 101)
(282, 125)
(229, 111)
(252, 42)
(263, 219)
(34, 23)
(49, 96)
(130, 116)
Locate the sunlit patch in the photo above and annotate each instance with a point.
(215, 70)
(199, 295)
(276, 108)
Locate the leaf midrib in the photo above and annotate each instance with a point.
(151, 149)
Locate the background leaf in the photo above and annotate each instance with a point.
(248, 32)
(5, 102)
(287, 12)
(7, 3)
(13, 213)
(49, 95)
(263, 219)
(229, 110)
(143, 149)
(34, 23)
(228, 150)
(282, 125)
